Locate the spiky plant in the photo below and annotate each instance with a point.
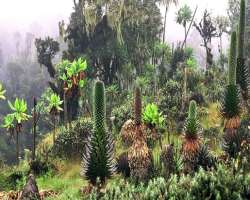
(98, 160)
(191, 138)
(242, 69)
(137, 106)
(231, 103)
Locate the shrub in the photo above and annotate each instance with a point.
(71, 143)
(121, 114)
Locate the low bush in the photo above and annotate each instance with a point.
(221, 184)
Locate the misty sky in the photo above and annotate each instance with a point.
(41, 17)
(26, 14)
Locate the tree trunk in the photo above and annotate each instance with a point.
(54, 131)
(65, 110)
(164, 31)
(165, 23)
(34, 130)
(17, 147)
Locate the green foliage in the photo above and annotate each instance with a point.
(232, 60)
(152, 116)
(121, 114)
(184, 15)
(2, 92)
(98, 160)
(54, 103)
(73, 72)
(170, 99)
(191, 63)
(70, 143)
(231, 102)
(8, 122)
(19, 109)
(217, 184)
(192, 123)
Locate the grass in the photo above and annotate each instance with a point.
(67, 182)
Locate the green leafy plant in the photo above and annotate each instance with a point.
(73, 73)
(19, 108)
(8, 123)
(54, 103)
(54, 108)
(18, 116)
(152, 116)
(2, 92)
(98, 160)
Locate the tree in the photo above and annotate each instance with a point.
(166, 3)
(207, 31)
(222, 25)
(242, 73)
(46, 51)
(98, 160)
(2, 92)
(54, 108)
(184, 16)
(19, 115)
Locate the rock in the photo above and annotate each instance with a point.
(30, 191)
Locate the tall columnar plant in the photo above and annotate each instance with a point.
(98, 160)
(191, 136)
(137, 106)
(231, 103)
(242, 69)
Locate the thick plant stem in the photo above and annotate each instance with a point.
(17, 147)
(54, 131)
(34, 129)
(232, 60)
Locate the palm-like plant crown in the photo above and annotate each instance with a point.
(2, 92)
(73, 73)
(19, 108)
(54, 103)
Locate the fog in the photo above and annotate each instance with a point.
(41, 18)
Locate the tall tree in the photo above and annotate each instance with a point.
(222, 26)
(207, 31)
(183, 17)
(166, 3)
